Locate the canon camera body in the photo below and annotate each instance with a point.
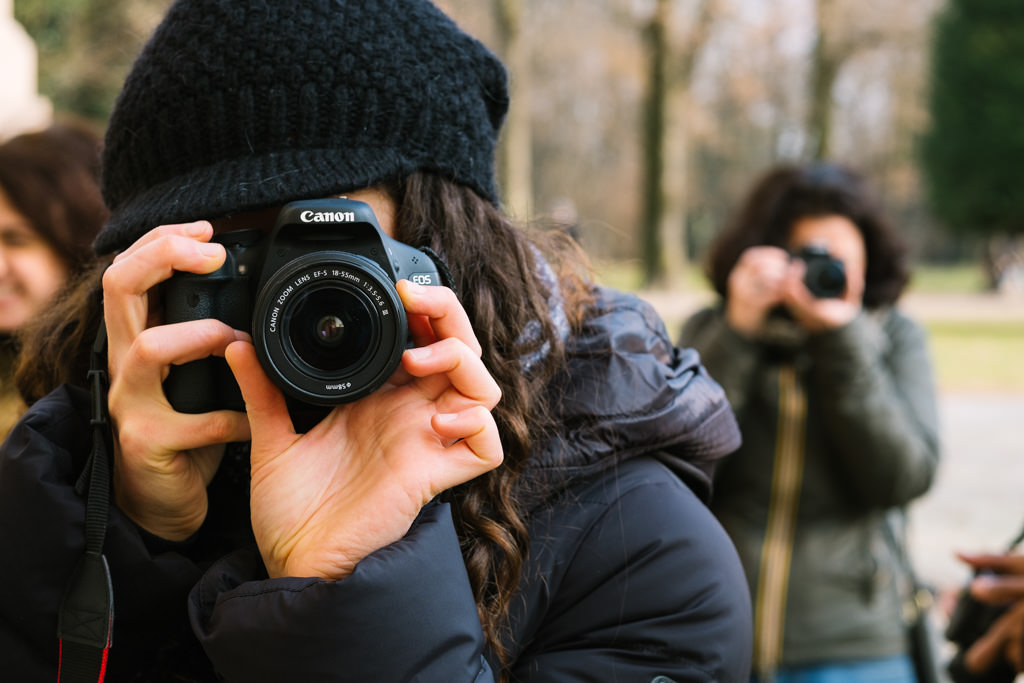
(317, 294)
(825, 276)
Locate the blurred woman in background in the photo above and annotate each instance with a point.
(834, 393)
(50, 212)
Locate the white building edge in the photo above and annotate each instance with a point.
(22, 109)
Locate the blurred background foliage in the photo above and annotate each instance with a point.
(638, 124)
(86, 48)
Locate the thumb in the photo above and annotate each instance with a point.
(269, 421)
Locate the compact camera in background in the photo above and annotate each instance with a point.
(825, 276)
(317, 294)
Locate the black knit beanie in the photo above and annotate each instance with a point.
(236, 105)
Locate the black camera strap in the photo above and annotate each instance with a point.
(86, 618)
(1016, 541)
(442, 268)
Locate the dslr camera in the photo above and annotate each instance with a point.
(825, 276)
(317, 294)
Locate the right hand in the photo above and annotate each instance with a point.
(1005, 638)
(755, 287)
(325, 499)
(163, 460)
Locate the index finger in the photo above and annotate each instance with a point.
(1000, 588)
(443, 310)
(151, 260)
(201, 230)
(999, 562)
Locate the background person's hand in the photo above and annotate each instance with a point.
(1005, 638)
(755, 287)
(163, 460)
(323, 500)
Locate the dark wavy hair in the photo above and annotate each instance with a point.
(490, 257)
(52, 178)
(787, 193)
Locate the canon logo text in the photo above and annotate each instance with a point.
(327, 216)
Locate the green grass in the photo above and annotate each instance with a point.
(970, 355)
(982, 356)
(628, 275)
(959, 279)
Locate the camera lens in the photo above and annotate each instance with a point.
(830, 279)
(329, 329)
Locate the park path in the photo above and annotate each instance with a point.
(977, 501)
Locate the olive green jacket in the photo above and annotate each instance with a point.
(839, 429)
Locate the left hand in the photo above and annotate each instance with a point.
(324, 500)
(1005, 638)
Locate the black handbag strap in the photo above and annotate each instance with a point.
(86, 617)
(921, 596)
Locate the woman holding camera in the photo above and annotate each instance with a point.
(499, 509)
(833, 390)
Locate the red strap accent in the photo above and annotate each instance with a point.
(84, 665)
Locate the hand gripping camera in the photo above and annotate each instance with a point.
(825, 276)
(317, 294)
(969, 622)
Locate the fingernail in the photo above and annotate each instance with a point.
(984, 582)
(196, 229)
(207, 249)
(414, 287)
(446, 417)
(419, 353)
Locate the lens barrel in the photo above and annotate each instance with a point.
(329, 327)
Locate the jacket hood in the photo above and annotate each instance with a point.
(628, 391)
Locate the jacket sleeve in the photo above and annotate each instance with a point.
(633, 579)
(405, 614)
(876, 390)
(41, 522)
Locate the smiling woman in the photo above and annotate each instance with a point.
(50, 211)
(31, 272)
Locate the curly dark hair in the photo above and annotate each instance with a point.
(785, 194)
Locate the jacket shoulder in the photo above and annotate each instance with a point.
(631, 575)
(52, 438)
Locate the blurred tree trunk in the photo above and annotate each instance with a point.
(656, 40)
(665, 142)
(516, 154)
(825, 63)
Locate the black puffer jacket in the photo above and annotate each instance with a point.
(629, 577)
